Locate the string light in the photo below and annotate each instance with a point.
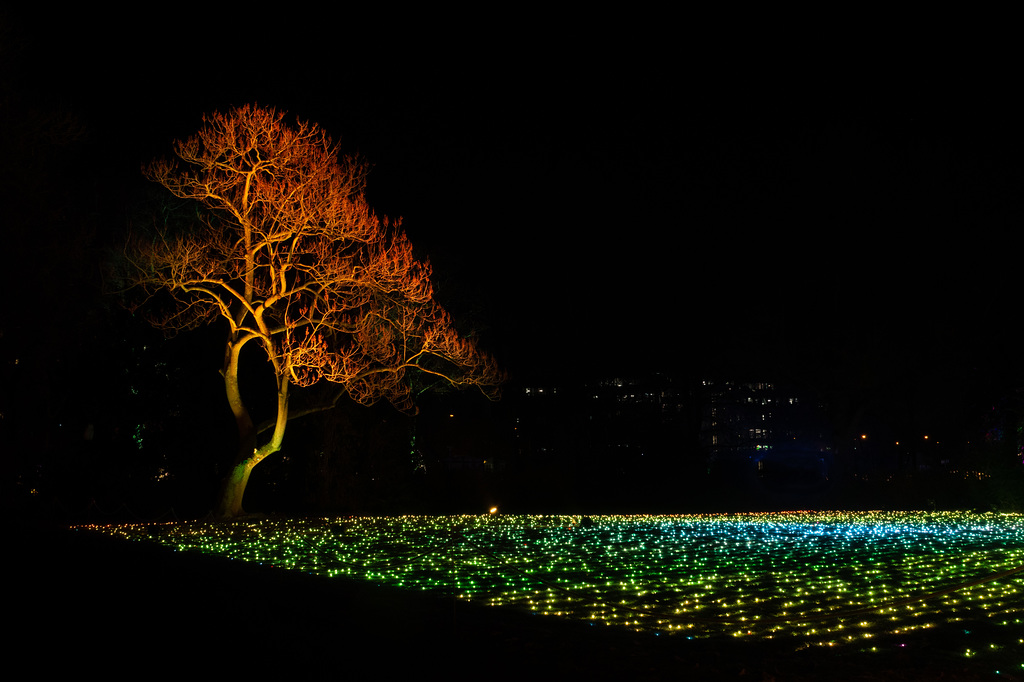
(819, 578)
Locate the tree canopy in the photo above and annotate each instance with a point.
(284, 248)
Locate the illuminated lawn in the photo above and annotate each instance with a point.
(818, 578)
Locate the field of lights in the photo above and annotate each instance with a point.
(820, 578)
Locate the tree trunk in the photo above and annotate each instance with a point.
(230, 504)
(248, 455)
(233, 488)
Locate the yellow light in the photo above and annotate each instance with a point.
(708, 589)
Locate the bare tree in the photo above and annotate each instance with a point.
(288, 253)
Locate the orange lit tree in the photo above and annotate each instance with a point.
(287, 252)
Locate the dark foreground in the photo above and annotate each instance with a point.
(87, 603)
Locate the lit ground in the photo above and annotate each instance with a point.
(865, 586)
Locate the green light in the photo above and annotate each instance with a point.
(818, 578)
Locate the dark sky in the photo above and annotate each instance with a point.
(598, 206)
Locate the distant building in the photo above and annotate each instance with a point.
(545, 415)
(605, 422)
(768, 430)
(762, 430)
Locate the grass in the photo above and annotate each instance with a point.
(864, 582)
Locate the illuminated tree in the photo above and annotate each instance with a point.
(285, 250)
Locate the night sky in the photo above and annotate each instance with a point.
(594, 206)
